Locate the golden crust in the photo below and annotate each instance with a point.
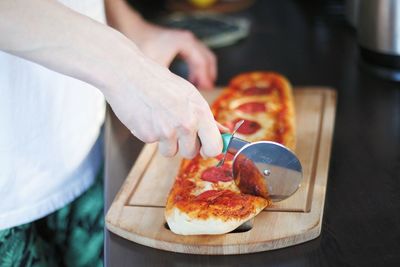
(290, 137)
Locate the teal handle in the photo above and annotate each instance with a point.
(226, 137)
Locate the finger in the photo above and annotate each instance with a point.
(189, 145)
(222, 128)
(144, 132)
(198, 73)
(207, 80)
(210, 137)
(198, 62)
(211, 63)
(168, 147)
(192, 77)
(202, 153)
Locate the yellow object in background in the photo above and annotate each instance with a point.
(202, 3)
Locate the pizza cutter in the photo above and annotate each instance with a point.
(264, 168)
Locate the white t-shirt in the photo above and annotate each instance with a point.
(50, 149)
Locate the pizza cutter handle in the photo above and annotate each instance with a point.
(226, 138)
(232, 144)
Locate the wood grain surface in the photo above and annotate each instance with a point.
(137, 212)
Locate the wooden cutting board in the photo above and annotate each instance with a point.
(137, 212)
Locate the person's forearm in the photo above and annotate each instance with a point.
(122, 17)
(48, 33)
(152, 102)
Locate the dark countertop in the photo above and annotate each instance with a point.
(311, 44)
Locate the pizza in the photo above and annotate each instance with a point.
(264, 101)
(205, 199)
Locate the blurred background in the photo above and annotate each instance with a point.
(375, 25)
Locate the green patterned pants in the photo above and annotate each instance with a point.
(71, 236)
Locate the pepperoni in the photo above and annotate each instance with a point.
(217, 174)
(252, 107)
(248, 127)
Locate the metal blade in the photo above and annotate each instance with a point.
(267, 169)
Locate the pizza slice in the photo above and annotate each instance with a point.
(204, 198)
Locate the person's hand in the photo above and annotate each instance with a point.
(163, 45)
(166, 108)
(155, 104)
